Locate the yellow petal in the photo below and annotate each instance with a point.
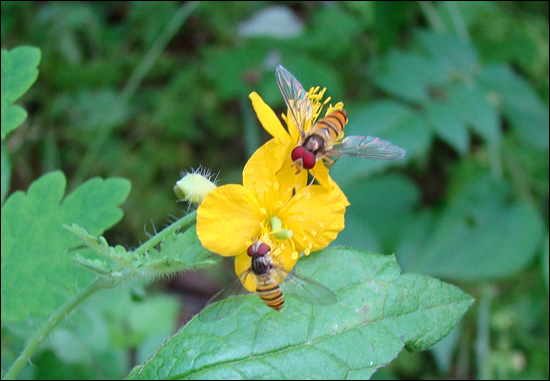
(228, 216)
(316, 216)
(270, 176)
(286, 257)
(242, 264)
(268, 118)
(295, 134)
(321, 175)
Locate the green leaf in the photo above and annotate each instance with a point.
(527, 114)
(131, 319)
(37, 275)
(388, 120)
(179, 252)
(100, 109)
(317, 38)
(448, 51)
(106, 326)
(482, 234)
(228, 69)
(448, 125)
(545, 262)
(470, 104)
(97, 244)
(5, 175)
(19, 71)
(409, 76)
(379, 312)
(383, 214)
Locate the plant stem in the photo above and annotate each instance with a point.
(130, 88)
(97, 284)
(483, 335)
(157, 238)
(152, 55)
(45, 330)
(433, 17)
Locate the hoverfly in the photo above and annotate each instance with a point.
(268, 276)
(321, 141)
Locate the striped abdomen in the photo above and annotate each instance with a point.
(332, 125)
(324, 133)
(269, 290)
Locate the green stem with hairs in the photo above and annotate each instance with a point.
(99, 283)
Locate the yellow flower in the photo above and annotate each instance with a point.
(273, 205)
(291, 137)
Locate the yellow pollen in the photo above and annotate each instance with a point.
(313, 233)
(294, 255)
(263, 211)
(336, 107)
(307, 251)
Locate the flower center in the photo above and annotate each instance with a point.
(277, 229)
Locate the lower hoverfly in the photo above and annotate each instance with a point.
(324, 138)
(268, 275)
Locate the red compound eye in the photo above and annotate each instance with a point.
(263, 249)
(298, 153)
(308, 160)
(258, 249)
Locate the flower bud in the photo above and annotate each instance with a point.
(193, 187)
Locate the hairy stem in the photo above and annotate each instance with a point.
(96, 285)
(157, 238)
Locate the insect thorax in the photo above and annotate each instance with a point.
(261, 265)
(315, 143)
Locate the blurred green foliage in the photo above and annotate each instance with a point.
(462, 86)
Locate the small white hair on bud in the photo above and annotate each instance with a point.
(195, 184)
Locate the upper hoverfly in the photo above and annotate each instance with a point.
(321, 140)
(268, 275)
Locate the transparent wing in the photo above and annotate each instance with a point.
(307, 289)
(228, 298)
(295, 97)
(367, 146)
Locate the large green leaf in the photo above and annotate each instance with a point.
(456, 56)
(409, 76)
(382, 215)
(378, 313)
(37, 275)
(482, 234)
(470, 104)
(528, 115)
(18, 74)
(449, 125)
(545, 262)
